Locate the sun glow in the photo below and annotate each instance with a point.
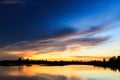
(63, 55)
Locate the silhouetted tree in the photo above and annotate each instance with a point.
(104, 60)
(19, 59)
(112, 59)
(118, 58)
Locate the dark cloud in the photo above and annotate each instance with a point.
(12, 1)
(36, 77)
(60, 41)
(7, 56)
(88, 57)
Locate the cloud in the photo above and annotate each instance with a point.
(12, 1)
(67, 33)
(61, 40)
(7, 56)
(41, 77)
(90, 57)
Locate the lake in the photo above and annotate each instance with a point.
(68, 72)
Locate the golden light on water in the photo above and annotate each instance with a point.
(71, 72)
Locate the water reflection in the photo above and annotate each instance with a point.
(70, 72)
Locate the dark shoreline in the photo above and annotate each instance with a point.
(113, 63)
(107, 64)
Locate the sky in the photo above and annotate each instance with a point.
(59, 29)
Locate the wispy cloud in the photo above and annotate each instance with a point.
(8, 56)
(12, 1)
(62, 40)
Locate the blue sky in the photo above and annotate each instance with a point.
(59, 25)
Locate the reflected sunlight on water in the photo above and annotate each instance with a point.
(69, 72)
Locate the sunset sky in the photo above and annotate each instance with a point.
(59, 29)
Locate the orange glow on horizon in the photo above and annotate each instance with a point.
(66, 55)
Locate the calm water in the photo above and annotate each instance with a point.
(69, 72)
